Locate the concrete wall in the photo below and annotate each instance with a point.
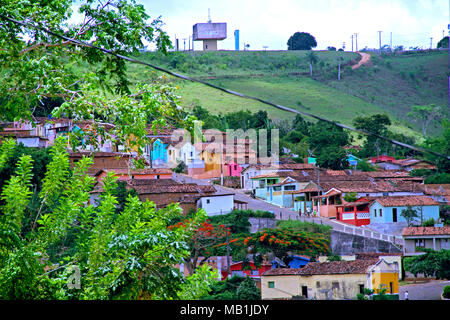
(261, 223)
(348, 244)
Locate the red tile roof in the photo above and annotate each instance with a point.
(401, 201)
(137, 171)
(426, 231)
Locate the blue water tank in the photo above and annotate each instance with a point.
(236, 40)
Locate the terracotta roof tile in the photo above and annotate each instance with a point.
(401, 201)
(335, 267)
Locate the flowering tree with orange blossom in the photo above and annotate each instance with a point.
(204, 239)
(280, 241)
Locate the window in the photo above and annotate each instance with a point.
(375, 212)
(238, 273)
(157, 176)
(381, 212)
(208, 201)
(348, 209)
(420, 243)
(391, 287)
(334, 285)
(271, 284)
(277, 188)
(318, 284)
(289, 188)
(255, 273)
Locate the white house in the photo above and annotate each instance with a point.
(216, 204)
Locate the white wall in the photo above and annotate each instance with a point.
(217, 204)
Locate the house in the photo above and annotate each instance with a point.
(292, 261)
(127, 174)
(388, 209)
(382, 158)
(337, 280)
(164, 192)
(438, 192)
(389, 257)
(254, 170)
(217, 203)
(415, 238)
(102, 160)
(356, 213)
(405, 164)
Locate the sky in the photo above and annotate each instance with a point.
(270, 23)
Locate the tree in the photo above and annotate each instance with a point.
(248, 290)
(32, 68)
(410, 214)
(312, 59)
(443, 43)
(426, 114)
(378, 124)
(126, 256)
(333, 157)
(440, 144)
(431, 264)
(301, 41)
(330, 48)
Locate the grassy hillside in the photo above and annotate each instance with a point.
(392, 84)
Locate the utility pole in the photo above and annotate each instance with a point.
(391, 40)
(356, 41)
(189, 43)
(431, 43)
(379, 35)
(352, 42)
(184, 41)
(228, 254)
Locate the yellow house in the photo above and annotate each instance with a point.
(337, 280)
(384, 275)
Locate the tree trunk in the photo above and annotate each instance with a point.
(339, 73)
(310, 69)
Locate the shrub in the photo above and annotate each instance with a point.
(428, 223)
(446, 292)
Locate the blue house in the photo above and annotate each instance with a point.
(389, 209)
(159, 152)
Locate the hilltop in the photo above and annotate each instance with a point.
(389, 84)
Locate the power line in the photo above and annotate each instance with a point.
(77, 42)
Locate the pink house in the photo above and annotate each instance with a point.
(233, 169)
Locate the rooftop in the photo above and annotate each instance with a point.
(426, 231)
(401, 201)
(319, 268)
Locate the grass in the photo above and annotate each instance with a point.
(391, 85)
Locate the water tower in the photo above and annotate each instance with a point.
(209, 33)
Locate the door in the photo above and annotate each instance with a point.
(305, 291)
(394, 215)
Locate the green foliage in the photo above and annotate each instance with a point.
(301, 41)
(224, 290)
(247, 290)
(446, 292)
(305, 226)
(438, 178)
(409, 214)
(350, 196)
(428, 223)
(180, 168)
(365, 166)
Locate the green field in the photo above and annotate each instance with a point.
(391, 84)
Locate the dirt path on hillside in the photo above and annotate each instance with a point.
(365, 59)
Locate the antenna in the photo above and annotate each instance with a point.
(356, 41)
(209, 15)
